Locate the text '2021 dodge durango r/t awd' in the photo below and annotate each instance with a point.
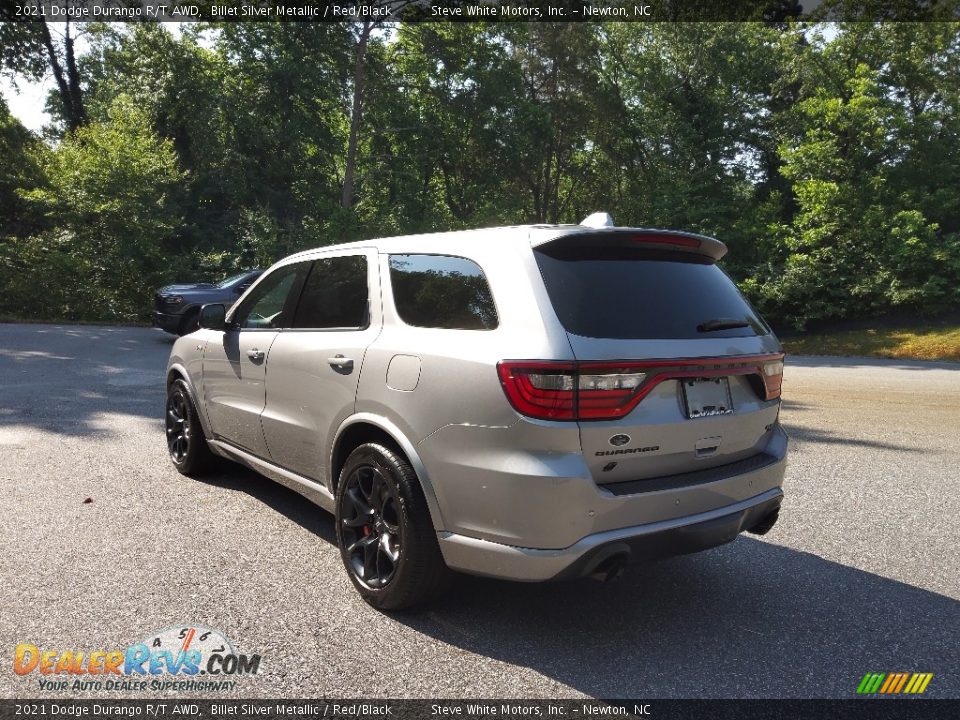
(530, 403)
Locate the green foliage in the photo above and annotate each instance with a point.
(106, 197)
(826, 157)
(861, 241)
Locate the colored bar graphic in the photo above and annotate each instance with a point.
(870, 683)
(894, 683)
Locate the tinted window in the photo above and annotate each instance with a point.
(267, 305)
(244, 279)
(628, 292)
(335, 294)
(440, 291)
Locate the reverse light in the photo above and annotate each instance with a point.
(773, 368)
(618, 381)
(773, 378)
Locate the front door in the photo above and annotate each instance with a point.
(234, 368)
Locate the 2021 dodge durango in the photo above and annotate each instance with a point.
(531, 403)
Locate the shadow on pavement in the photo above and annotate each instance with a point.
(804, 434)
(746, 620)
(60, 378)
(750, 619)
(284, 501)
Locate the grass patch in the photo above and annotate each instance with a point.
(918, 343)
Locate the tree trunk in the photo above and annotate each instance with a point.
(356, 114)
(62, 89)
(73, 79)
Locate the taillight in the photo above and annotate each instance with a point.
(773, 378)
(540, 390)
(570, 391)
(549, 390)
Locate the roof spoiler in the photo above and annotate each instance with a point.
(654, 238)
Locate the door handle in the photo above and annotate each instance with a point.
(341, 363)
(255, 355)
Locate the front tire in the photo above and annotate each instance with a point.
(186, 441)
(386, 537)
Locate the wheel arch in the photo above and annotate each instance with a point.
(367, 427)
(175, 372)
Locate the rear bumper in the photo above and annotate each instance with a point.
(651, 541)
(165, 321)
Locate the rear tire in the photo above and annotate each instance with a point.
(386, 536)
(186, 441)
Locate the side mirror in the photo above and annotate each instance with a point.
(213, 317)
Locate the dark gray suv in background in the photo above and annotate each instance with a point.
(529, 403)
(176, 308)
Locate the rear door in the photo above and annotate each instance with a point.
(314, 366)
(662, 320)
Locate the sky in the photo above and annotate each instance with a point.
(27, 105)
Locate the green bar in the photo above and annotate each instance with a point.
(878, 681)
(863, 683)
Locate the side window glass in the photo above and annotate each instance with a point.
(335, 295)
(441, 291)
(266, 306)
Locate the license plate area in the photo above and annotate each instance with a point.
(706, 397)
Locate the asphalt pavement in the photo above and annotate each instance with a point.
(862, 574)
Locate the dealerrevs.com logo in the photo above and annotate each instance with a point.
(190, 658)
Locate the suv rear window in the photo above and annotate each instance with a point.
(608, 290)
(441, 291)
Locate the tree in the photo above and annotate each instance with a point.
(30, 49)
(17, 169)
(107, 196)
(863, 153)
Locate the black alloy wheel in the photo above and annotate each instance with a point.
(186, 441)
(371, 527)
(178, 427)
(386, 535)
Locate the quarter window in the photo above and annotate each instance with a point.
(441, 291)
(335, 294)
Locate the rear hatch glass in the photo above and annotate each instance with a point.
(608, 290)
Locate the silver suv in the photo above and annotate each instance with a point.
(530, 403)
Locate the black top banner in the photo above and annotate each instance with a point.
(384, 11)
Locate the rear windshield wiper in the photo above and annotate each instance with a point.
(721, 324)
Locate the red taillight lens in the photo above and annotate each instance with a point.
(570, 391)
(540, 390)
(676, 240)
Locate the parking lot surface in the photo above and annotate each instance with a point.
(862, 574)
